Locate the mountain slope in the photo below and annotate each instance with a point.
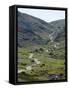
(33, 30)
(60, 33)
(58, 23)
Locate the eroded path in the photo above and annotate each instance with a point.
(36, 61)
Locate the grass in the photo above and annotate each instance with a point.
(47, 64)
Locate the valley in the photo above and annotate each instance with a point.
(41, 49)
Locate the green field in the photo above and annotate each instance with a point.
(41, 63)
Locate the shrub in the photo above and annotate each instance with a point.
(41, 49)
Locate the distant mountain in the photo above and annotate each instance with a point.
(32, 30)
(60, 25)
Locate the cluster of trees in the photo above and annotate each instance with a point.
(39, 50)
(56, 54)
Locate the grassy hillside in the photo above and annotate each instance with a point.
(41, 49)
(49, 68)
(33, 30)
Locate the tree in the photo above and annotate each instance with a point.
(36, 50)
(41, 49)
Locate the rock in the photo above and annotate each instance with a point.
(46, 50)
(36, 61)
(29, 68)
(31, 55)
(20, 71)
